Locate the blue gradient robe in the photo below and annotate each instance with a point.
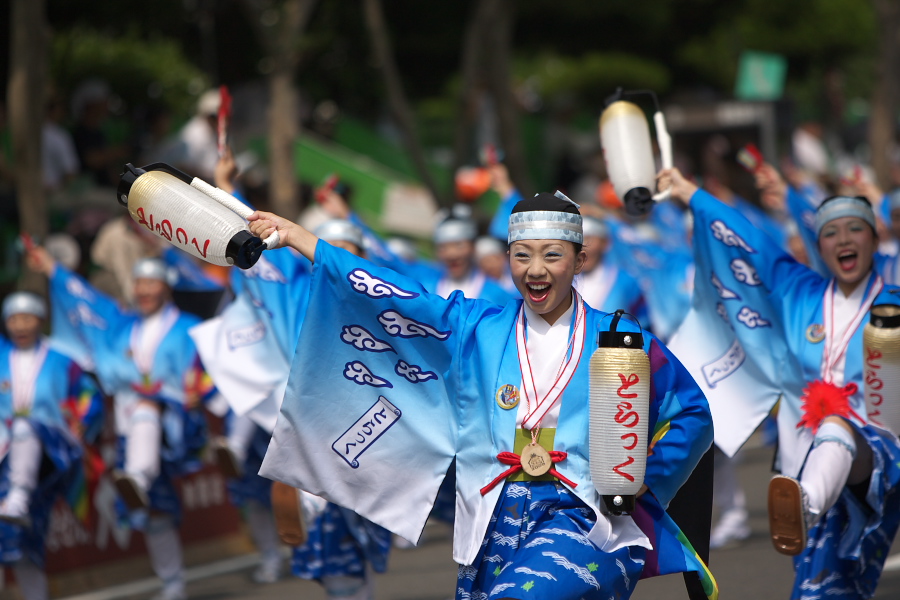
(389, 383)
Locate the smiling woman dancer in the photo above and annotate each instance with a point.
(482, 383)
(835, 506)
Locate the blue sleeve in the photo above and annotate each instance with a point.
(84, 319)
(803, 212)
(752, 258)
(683, 428)
(500, 223)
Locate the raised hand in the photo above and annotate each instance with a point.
(682, 188)
(40, 261)
(264, 224)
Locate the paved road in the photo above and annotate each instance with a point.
(750, 571)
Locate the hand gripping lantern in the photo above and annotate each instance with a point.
(619, 413)
(628, 152)
(881, 353)
(189, 213)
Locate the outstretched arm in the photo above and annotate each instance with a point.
(264, 224)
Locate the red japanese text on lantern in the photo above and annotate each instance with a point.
(164, 229)
(629, 418)
(874, 383)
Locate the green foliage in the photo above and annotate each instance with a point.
(593, 75)
(140, 71)
(814, 35)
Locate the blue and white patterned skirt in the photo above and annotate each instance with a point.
(846, 549)
(341, 543)
(536, 547)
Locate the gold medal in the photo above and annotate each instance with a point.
(815, 333)
(508, 396)
(535, 460)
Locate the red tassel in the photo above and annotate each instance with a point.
(821, 400)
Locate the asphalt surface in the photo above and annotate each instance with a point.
(750, 570)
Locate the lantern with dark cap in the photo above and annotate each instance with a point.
(619, 414)
(881, 353)
(628, 152)
(189, 213)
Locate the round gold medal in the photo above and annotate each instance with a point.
(815, 333)
(508, 396)
(535, 460)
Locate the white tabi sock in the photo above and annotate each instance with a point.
(31, 579)
(24, 469)
(262, 529)
(164, 548)
(343, 587)
(241, 436)
(827, 467)
(24, 456)
(728, 495)
(142, 446)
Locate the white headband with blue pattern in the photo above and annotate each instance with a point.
(843, 206)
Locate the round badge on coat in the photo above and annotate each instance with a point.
(508, 396)
(815, 333)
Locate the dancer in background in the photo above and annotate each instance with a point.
(148, 362)
(602, 284)
(835, 506)
(48, 407)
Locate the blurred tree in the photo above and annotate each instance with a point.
(486, 71)
(594, 74)
(141, 70)
(816, 36)
(397, 100)
(280, 27)
(883, 113)
(28, 67)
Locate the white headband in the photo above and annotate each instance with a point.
(153, 268)
(843, 206)
(340, 230)
(455, 230)
(594, 227)
(547, 224)
(19, 303)
(487, 245)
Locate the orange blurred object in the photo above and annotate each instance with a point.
(606, 195)
(471, 183)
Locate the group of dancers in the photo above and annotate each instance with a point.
(415, 387)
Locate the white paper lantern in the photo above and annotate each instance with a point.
(202, 220)
(881, 367)
(619, 417)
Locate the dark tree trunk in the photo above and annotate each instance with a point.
(25, 97)
(472, 75)
(499, 78)
(282, 43)
(883, 116)
(397, 100)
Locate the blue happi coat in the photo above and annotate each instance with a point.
(750, 340)
(96, 331)
(390, 383)
(64, 396)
